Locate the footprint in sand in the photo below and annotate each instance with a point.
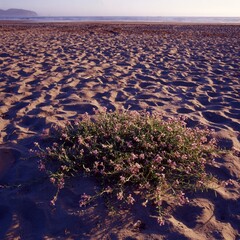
(214, 117)
(189, 215)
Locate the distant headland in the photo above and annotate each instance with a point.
(13, 12)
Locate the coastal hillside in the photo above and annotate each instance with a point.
(17, 13)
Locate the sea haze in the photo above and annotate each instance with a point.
(234, 20)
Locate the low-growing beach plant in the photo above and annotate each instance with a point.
(134, 156)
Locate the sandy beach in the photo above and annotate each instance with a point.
(54, 72)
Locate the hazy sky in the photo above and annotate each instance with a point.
(128, 7)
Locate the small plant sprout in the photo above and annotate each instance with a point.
(128, 152)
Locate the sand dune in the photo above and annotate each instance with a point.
(51, 73)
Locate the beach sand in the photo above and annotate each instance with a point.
(51, 73)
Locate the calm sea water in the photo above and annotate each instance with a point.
(133, 19)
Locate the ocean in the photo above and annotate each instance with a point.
(227, 20)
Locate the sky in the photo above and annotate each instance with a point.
(211, 8)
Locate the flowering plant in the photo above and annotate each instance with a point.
(132, 155)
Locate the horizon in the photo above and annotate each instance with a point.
(135, 8)
(153, 16)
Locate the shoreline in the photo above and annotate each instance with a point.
(117, 22)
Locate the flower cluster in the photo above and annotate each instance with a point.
(129, 152)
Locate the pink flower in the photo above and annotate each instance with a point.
(76, 122)
(82, 151)
(177, 154)
(64, 136)
(182, 199)
(163, 175)
(129, 144)
(130, 199)
(133, 156)
(188, 169)
(108, 190)
(86, 116)
(172, 164)
(52, 180)
(158, 159)
(118, 139)
(203, 139)
(122, 179)
(118, 167)
(80, 140)
(95, 152)
(84, 200)
(136, 139)
(120, 195)
(160, 221)
(200, 183)
(147, 185)
(162, 168)
(41, 166)
(134, 169)
(61, 183)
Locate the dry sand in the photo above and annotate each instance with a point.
(50, 73)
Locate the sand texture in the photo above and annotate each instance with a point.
(51, 73)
